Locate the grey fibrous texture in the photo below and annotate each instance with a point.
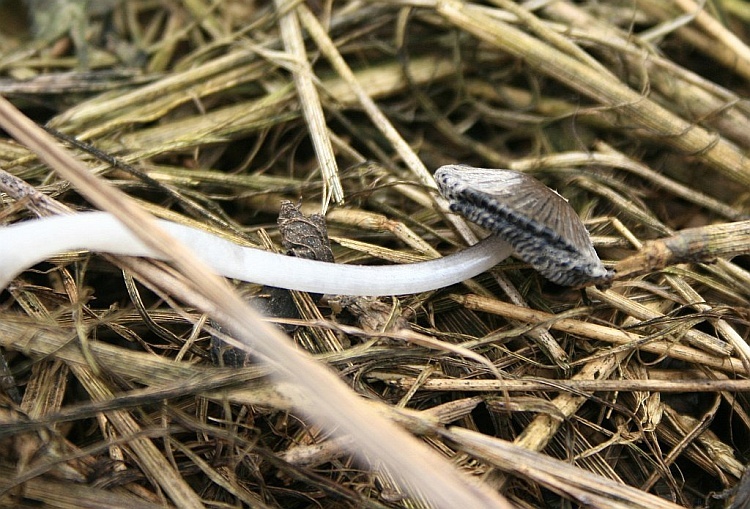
(542, 227)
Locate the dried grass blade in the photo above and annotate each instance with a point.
(640, 110)
(310, 102)
(407, 154)
(732, 43)
(588, 488)
(153, 461)
(602, 333)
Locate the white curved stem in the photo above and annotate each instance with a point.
(25, 244)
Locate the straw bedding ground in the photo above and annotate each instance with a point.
(117, 384)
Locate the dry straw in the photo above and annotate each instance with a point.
(504, 390)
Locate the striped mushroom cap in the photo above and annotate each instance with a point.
(538, 223)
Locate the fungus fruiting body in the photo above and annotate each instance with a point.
(523, 215)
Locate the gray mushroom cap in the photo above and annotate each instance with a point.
(538, 223)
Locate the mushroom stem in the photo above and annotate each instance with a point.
(25, 244)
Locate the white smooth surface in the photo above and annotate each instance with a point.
(23, 245)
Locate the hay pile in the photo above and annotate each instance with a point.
(121, 390)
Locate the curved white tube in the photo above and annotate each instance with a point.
(25, 244)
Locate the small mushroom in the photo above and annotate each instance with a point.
(538, 223)
(523, 214)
